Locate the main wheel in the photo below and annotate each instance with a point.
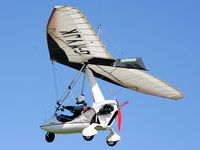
(111, 143)
(88, 138)
(50, 137)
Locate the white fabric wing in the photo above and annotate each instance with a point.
(72, 42)
(138, 80)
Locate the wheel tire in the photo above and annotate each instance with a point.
(49, 137)
(111, 143)
(88, 138)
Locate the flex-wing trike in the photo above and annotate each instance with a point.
(73, 42)
(99, 117)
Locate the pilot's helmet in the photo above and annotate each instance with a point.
(80, 99)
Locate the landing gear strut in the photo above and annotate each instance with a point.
(49, 137)
(88, 138)
(112, 138)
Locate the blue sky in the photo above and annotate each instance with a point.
(165, 34)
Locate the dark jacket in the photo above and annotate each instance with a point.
(76, 110)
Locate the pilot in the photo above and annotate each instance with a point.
(76, 110)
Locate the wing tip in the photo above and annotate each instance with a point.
(64, 6)
(177, 97)
(60, 6)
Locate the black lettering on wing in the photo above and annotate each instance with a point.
(81, 48)
(69, 32)
(73, 41)
(74, 35)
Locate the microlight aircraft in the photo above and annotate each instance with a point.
(73, 42)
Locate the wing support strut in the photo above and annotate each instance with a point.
(70, 87)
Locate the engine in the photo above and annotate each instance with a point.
(106, 109)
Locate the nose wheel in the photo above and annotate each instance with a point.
(49, 137)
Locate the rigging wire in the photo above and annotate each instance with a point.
(99, 29)
(59, 77)
(113, 94)
(116, 46)
(55, 79)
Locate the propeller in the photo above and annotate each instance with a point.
(119, 124)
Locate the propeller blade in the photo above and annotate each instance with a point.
(125, 103)
(119, 119)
